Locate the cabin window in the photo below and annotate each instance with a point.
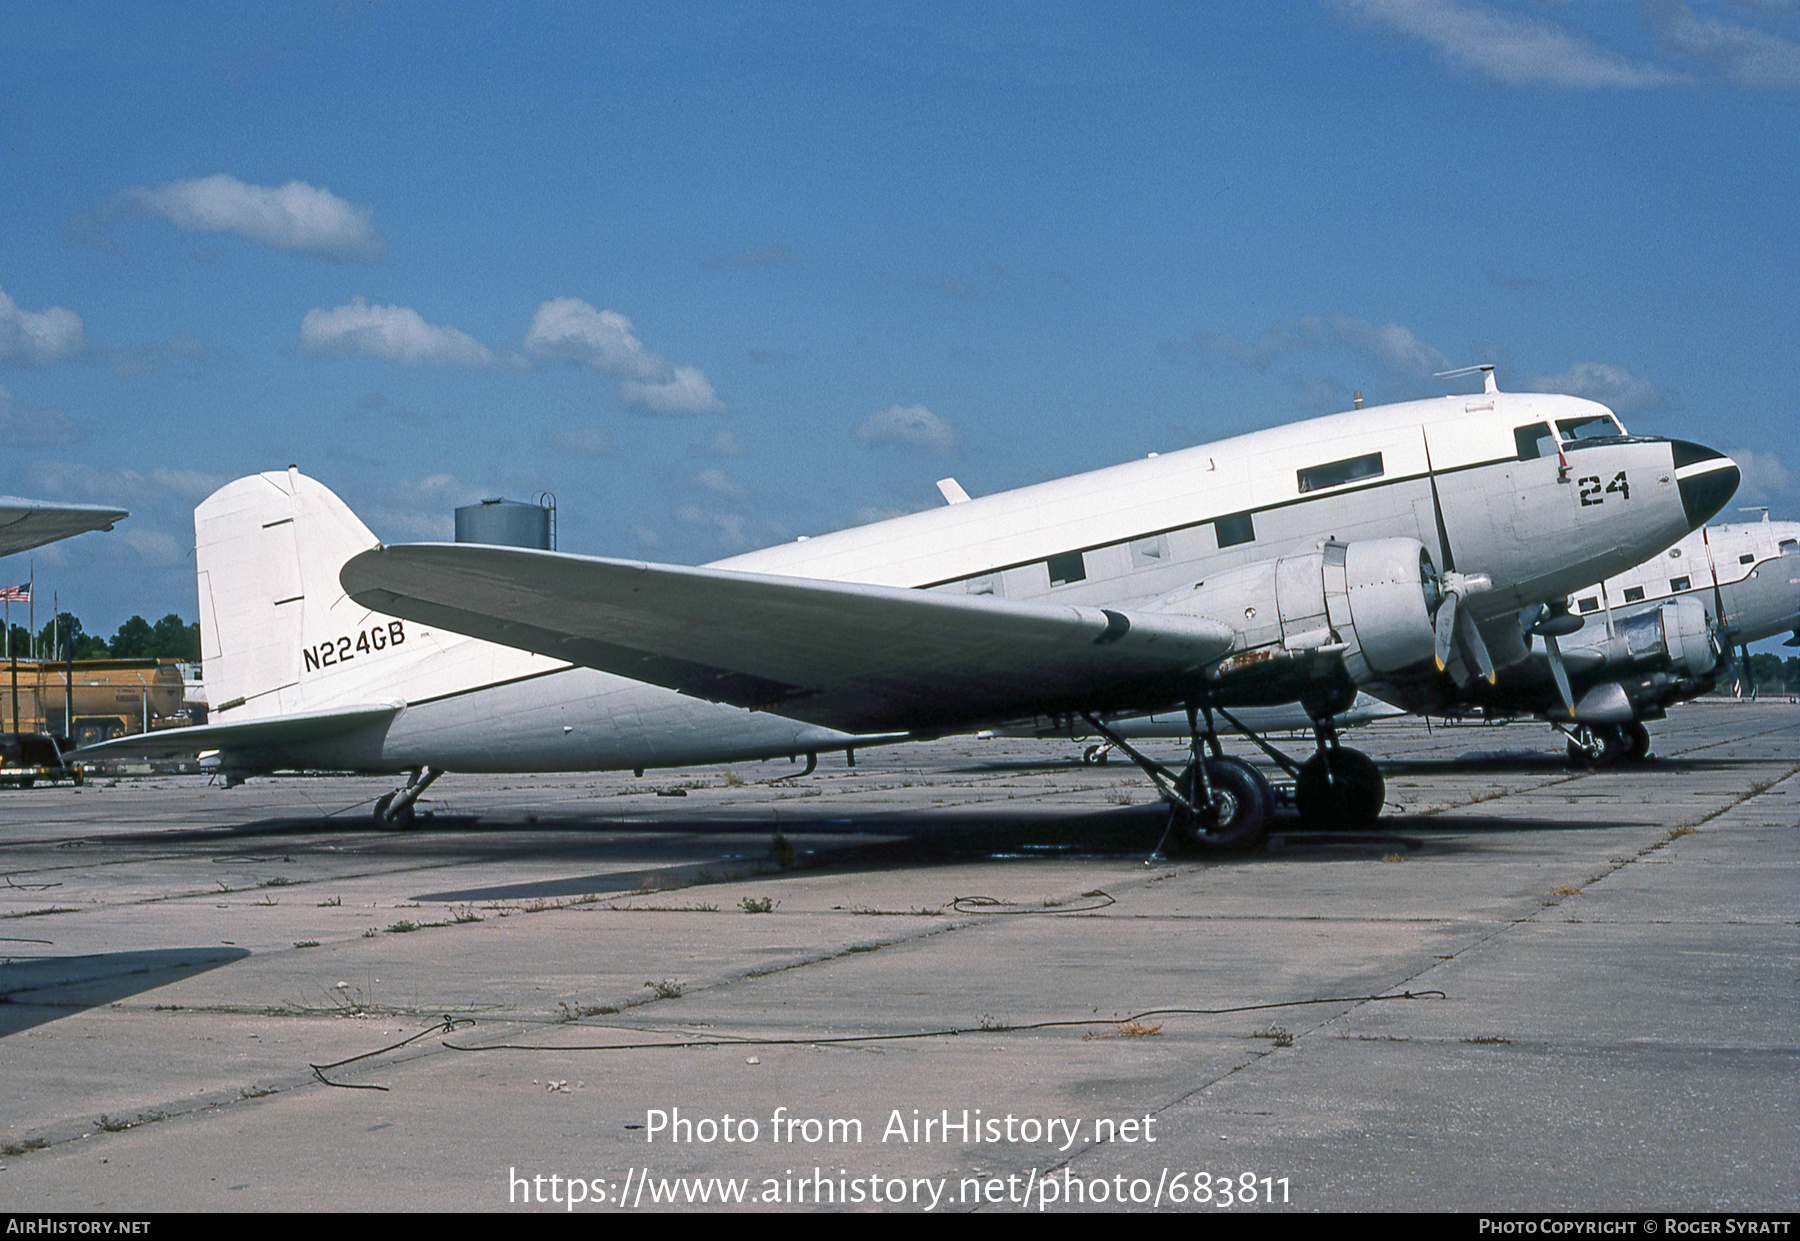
(1337, 473)
(1597, 427)
(1534, 441)
(1634, 594)
(1747, 558)
(1066, 568)
(1146, 553)
(1590, 604)
(1678, 583)
(1238, 528)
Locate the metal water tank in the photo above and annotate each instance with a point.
(505, 523)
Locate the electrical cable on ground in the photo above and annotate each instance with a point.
(989, 1028)
(446, 1026)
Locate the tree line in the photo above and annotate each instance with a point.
(1772, 674)
(64, 638)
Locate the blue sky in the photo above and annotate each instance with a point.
(720, 275)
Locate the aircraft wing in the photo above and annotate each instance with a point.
(273, 735)
(25, 524)
(864, 659)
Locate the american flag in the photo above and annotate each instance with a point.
(16, 594)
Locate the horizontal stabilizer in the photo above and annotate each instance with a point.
(278, 734)
(855, 657)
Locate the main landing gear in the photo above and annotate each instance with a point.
(1217, 802)
(394, 811)
(1602, 745)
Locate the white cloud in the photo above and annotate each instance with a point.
(1390, 344)
(419, 511)
(77, 480)
(40, 336)
(912, 425)
(297, 216)
(1766, 481)
(687, 392)
(154, 546)
(1610, 385)
(395, 333)
(1747, 56)
(567, 329)
(1393, 346)
(718, 482)
(1509, 47)
(729, 530)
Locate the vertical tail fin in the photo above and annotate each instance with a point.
(267, 552)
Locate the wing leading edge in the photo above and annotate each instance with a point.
(25, 524)
(863, 659)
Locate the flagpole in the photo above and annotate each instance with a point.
(55, 649)
(12, 660)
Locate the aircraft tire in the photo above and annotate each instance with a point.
(1242, 802)
(1340, 789)
(1637, 742)
(1094, 755)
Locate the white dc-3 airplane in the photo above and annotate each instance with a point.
(1376, 548)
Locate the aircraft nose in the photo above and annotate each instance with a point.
(1706, 479)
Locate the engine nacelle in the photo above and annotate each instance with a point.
(1676, 635)
(1370, 602)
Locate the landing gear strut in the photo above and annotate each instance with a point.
(394, 811)
(1337, 787)
(1215, 802)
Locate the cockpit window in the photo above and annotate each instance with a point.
(1534, 441)
(1597, 427)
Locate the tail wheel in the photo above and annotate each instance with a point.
(1339, 788)
(1238, 813)
(394, 821)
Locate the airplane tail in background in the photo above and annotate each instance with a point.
(277, 633)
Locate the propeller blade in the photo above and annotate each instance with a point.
(1444, 629)
(1559, 674)
(1474, 646)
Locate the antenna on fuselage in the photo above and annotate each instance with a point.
(1487, 373)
